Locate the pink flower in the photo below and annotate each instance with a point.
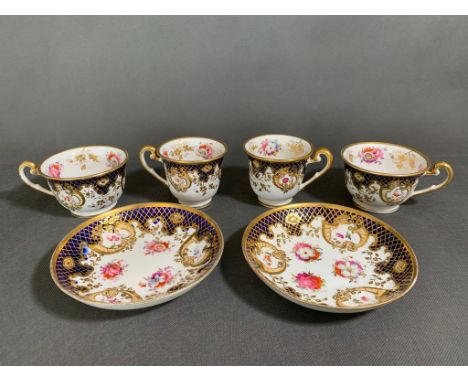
(305, 252)
(309, 281)
(269, 147)
(55, 169)
(158, 279)
(371, 155)
(113, 237)
(154, 246)
(349, 269)
(112, 271)
(113, 158)
(205, 151)
(267, 258)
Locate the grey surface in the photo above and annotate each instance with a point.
(129, 81)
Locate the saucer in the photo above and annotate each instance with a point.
(137, 256)
(330, 258)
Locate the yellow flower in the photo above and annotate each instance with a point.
(293, 218)
(256, 163)
(359, 177)
(176, 218)
(400, 266)
(103, 181)
(68, 262)
(206, 168)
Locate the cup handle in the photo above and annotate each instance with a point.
(154, 155)
(33, 171)
(317, 158)
(435, 171)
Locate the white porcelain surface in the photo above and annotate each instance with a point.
(278, 146)
(193, 149)
(83, 162)
(385, 158)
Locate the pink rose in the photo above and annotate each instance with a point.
(112, 271)
(309, 281)
(113, 158)
(205, 151)
(371, 155)
(55, 169)
(269, 147)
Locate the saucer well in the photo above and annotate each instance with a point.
(329, 257)
(137, 256)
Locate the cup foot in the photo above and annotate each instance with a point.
(273, 203)
(93, 213)
(377, 210)
(198, 205)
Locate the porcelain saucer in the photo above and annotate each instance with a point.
(137, 256)
(329, 257)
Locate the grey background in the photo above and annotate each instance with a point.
(129, 81)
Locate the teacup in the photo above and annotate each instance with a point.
(381, 176)
(192, 166)
(277, 166)
(85, 180)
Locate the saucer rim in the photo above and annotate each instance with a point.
(138, 304)
(316, 306)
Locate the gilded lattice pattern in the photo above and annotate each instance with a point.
(90, 193)
(379, 189)
(201, 178)
(360, 178)
(284, 176)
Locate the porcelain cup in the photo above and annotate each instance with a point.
(381, 176)
(277, 166)
(192, 166)
(85, 180)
